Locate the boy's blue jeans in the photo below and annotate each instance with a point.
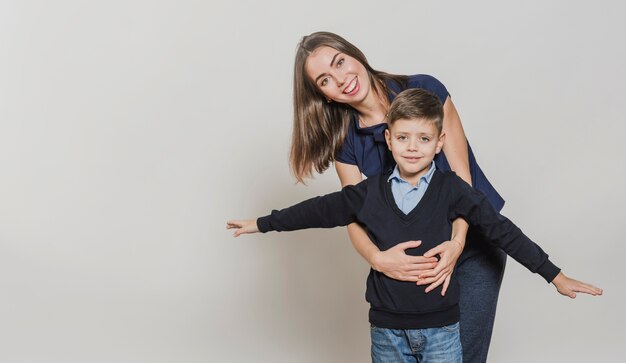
(432, 345)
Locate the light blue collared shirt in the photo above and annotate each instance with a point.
(404, 193)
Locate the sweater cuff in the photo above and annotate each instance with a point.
(548, 270)
(264, 225)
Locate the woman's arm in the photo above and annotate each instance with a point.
(455, 146)
(455, 149)
(394, 262)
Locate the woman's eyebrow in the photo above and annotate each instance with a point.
(334, 57)
(331, 64)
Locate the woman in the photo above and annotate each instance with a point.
(340, 104)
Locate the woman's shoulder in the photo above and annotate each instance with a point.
(430, 83)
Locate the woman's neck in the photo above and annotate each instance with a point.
(373, 110)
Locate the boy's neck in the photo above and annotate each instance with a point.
(414, 179)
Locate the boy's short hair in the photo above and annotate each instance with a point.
(416, 103)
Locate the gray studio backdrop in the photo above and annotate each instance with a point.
(130, 131)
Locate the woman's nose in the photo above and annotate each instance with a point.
(340, 78)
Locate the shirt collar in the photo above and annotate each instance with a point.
(426, 177)
(377, 131)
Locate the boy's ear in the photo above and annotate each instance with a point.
(442, 139)
(388, 138)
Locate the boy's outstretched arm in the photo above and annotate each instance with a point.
(501, 232)
(327, 211)
(243, 226)
(569, 287)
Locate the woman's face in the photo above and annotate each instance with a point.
(338, 76)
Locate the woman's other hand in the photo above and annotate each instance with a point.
(448, 252)
(396, 264)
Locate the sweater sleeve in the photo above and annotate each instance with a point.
(331, 210)
(473, 206)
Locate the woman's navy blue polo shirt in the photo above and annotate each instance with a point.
(366, 147)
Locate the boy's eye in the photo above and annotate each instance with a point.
(424, 139)
(401, 138)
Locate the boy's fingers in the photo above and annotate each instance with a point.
(567, 291)
(241, 231)
(233, 224)
(588, 289)
(599, 291)
(594, 289)
(579, 286)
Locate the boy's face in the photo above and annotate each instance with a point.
(413, 143)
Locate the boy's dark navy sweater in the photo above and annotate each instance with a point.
(404, 305)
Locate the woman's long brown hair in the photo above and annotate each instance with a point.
(319, 127)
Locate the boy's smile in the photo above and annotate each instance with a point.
(413, 144)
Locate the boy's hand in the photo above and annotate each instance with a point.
(243, 226)
(569, 287)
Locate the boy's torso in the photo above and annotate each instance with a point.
(398, 304)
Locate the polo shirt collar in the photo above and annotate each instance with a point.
(426, 177)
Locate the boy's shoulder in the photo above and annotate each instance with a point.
(446, 175)
(449, 182)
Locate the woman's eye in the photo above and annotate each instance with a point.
(324, 82)
(340, 63)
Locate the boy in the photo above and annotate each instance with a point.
(409, 325)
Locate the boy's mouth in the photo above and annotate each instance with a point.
(413, 159)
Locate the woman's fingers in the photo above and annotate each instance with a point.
(431, 280)
(408, 244)
(446, 283)
(436, 283)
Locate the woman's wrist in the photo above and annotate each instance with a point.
(459, 241)
(373, 258)
(459, 231)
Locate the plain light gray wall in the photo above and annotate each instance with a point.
(132, 130)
